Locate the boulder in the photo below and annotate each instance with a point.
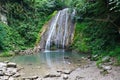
(4, 77)
(11, 78)
(66, 57)
(17, 75)
(39, 79)
(78, 65)
(11, 64)
(106, 59)
(1, 73)
(65, 77)
(84, 58)
(3, 69)
(52, 75)
(94, 57)
(106, 67)
(10, 71)
(3, 64)
(67, 71)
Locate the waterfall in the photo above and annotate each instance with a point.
(59, 31)
(51, 31)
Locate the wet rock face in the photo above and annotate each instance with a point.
(59, 31)
(3, 18)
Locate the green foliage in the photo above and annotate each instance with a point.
(9, 38)
(102, 36)
(79, 43)
(115, 53)
(97, 37)
(6, 54)
(26, 18)
(98, 63)
(114, 5)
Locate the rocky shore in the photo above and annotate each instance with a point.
(89, 71)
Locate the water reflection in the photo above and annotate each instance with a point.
(50, 59)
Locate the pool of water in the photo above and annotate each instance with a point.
(47, 61)
(48, 58)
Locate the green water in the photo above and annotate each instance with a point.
(47, 58)
(44, 62)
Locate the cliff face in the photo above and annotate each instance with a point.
(58, 32)
(3, 18)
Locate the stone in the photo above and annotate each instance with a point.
(39, 79)
(6, 62)
(79, 60)
(89, 57)
(59, 70)
(67, 71)
(108, 63)
(104, 72)
(3, 69)
(94, 57)
(106, 59)
(78, 65)
(52, 75)
(5, 77)
(1, 73)
(16, 51)
(38, 67)
(78, 78)
(47, 75)
(20, 68)
(83, 58)
(30, 77)
(65, 77)
(106, 67)
(11, 64)
(66, 57)
(10, 71)
(17, 75)
(11, 78)
(3, 64)
(34, 77)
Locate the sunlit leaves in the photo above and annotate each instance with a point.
(114, 5)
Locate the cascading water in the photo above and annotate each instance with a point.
(60, 30)
(57, 34)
